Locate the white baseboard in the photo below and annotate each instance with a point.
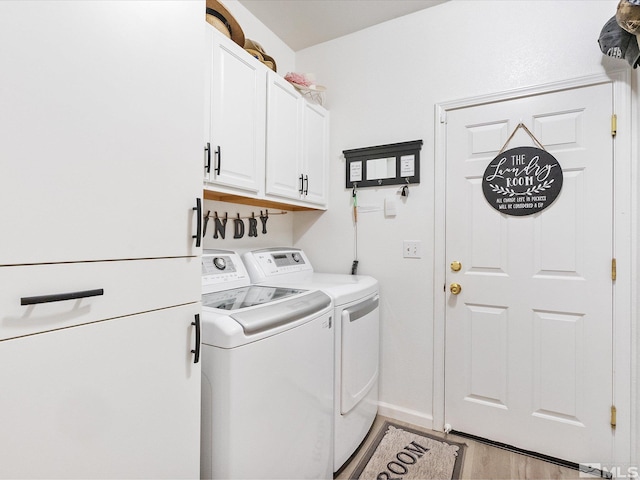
(414, 417)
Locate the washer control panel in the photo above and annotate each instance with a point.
(222, 269)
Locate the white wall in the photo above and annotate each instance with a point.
(383, 84)
(257, 31)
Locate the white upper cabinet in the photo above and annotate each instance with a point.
(100, 134)
(235, 155)
(315, 153)
(297, 143)
(284, 149)
(266, 142)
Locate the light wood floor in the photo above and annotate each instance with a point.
(481, 461)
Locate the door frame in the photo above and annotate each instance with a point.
(625, 241)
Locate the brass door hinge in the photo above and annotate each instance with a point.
(614, 125)
(614, 269)
(613, 416)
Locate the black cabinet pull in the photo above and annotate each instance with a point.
(207, 165)
(60, 297)
(196, 352)
(306, 183)
(198, 209)
(301, 189)
(219, 155)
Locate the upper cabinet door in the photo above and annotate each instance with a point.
(237, 117)
(315, 134)
(101, 129)
(284, 151)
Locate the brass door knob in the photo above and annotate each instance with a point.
(455, 288)
(456, 266)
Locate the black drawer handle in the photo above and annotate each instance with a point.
(219, 155)
(198, 210)
(207, 150)
(60, 297)
(196, 352)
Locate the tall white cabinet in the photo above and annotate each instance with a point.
(101, 134)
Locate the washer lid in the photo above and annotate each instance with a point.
(236, 326)
(244, 297)
(275, 315)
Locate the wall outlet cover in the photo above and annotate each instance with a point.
(412, 249)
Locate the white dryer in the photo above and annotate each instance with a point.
(267, 376)
(356, 337)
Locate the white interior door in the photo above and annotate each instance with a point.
(528, 357)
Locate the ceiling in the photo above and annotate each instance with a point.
(303, 23)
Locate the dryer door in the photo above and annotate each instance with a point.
(360, 347)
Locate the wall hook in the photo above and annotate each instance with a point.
(405, 189)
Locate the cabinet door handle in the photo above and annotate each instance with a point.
(306, 183)
(196, 352)
(301, 190)
(207, 165)
(198, 209)
(219, 155)
(60, 297)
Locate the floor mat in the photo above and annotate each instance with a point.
(400, 452)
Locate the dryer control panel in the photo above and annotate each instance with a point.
(270, 262)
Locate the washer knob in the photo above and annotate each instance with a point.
(296, 257)
(219, 263)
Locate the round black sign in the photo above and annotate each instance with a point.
(522, 181)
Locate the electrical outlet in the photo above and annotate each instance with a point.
(412, 249)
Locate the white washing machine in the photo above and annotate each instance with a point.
(267, 376)
(357, 341)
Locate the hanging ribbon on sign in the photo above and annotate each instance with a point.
(524, 127)
(522, 180)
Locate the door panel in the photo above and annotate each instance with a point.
(359, 362)
(315, 146)
(284, 118)
(113, 399)
(237, 116)
(100, 140)
(535, 312)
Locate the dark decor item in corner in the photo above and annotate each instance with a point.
(393, 164)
